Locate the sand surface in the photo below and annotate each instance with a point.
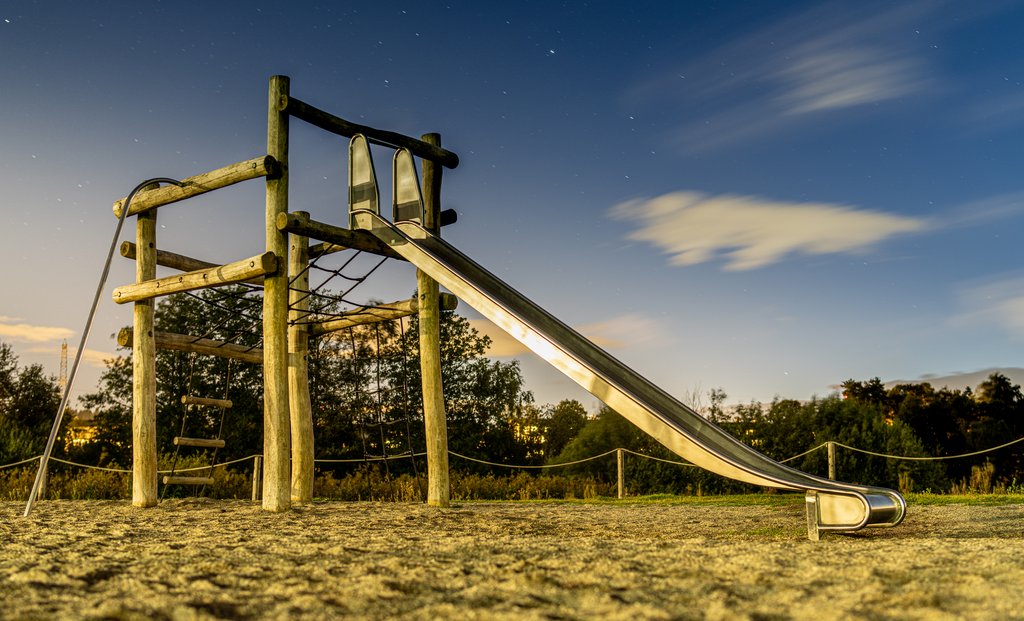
(207, 559)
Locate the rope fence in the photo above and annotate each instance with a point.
(619, 452)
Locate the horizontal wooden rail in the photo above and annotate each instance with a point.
(217, 403)
(336, 125)
(177, 261)
(199, 442)
(188, 343)
(239, 271)
(301, 224)
(376, 314)
(263, 166)
(168, 480)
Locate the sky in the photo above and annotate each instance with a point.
(767, 198)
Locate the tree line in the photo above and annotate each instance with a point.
(367, 404)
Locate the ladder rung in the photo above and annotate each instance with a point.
(200, 442)
(188, 480)
(217, 403)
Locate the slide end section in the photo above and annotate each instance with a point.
(848, 512)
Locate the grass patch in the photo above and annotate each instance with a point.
(734, 500)
(973, 500)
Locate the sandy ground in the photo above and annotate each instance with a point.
(205, 559)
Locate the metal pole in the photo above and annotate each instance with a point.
(45, 460)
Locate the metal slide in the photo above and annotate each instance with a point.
(831, 505)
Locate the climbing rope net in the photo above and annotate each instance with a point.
(364, 359)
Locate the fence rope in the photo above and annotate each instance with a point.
(365, 459)
(568, 463)
(653, 458)
(24, 461)
(541, 467)
(807, 452)
(975, 453)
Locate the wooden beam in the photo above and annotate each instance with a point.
(200, 442)
(238, 271)
(336, 125)
(188, 343)
(177, 261)
(448, 216)
(168, 259)
(375, 314)
(263, 166)
(358, 240)
(169, 480)
(216, 403)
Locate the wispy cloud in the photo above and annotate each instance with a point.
(999, 301)
(615, 333)
(28, 333)
(988, 209)
(840, 75)
(91, 357)
(751, 232)
(778, 76)
(997, 112)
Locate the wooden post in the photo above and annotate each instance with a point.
(144, 475)
(276, 427)
(298, 370)
(436, 427)
(257, 478)
(831, 446)
(619, 462)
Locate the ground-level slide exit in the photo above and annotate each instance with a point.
(831, 505)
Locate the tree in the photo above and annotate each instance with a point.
(871, 392)
(999, 418)
(561, 423)
(229, 314)
(28, 402)
(484, 399)
(364, 386)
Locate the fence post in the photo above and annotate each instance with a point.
(257, 478)
(619, 459)
(831, 446)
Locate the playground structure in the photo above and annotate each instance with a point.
(413, 235)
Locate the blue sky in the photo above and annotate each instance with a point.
(769, 198)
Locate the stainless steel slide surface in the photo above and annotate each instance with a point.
(835, 506)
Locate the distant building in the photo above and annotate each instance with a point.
(81, 429)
